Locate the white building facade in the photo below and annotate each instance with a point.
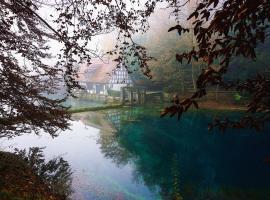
(98, 78)
(119, 78)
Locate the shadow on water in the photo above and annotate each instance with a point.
(182, 160)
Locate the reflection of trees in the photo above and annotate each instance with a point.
(156, 161)
(182, 161)
(111, 149)
(109, 141)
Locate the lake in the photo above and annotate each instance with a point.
(131, 153)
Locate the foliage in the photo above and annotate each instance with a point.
(173, 76)
(224, 29)
(26, 175)
(24, 106)
(29, 80)
(55, 173)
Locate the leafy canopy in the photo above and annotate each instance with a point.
(222, 29)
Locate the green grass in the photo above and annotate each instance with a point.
(86, 109)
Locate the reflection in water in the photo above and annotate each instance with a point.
(117, 116)
(181, 160)
(149, 158)
(94, 176)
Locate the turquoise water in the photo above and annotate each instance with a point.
(182, 159)
(151, 158)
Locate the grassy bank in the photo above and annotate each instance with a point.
(86, 109)
(209, 105)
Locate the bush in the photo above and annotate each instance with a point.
(27, 176)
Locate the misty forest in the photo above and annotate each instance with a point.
(134, 100)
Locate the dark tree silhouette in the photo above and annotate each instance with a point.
(28, 175)
(26, 78)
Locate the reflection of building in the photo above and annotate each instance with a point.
(114, 117)
(119, 116)
(100, 76)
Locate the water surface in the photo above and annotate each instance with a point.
(145, 157)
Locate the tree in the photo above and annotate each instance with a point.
(27, 175)
(223, 30)
(28, 80)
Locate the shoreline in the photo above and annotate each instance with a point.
(99, 108)
(205, 105)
